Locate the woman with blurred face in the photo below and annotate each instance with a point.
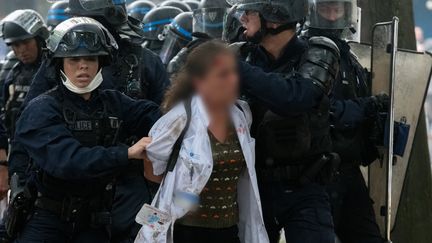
(211, 193)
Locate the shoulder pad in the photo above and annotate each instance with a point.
(323, 42)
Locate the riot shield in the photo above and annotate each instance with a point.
(412, 76)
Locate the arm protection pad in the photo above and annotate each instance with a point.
(321, 62)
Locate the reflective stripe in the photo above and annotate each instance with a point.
(119, 2)
(182, 30)
(58, 17)
(152, 25)
(56, 11)
(139, 10)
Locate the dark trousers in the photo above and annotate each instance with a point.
(46, 227)
(187, 234)
(304, 213)
(352, 207)
(131, 194)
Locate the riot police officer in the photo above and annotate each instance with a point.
(25, 31)
(140, 8)
(208, 23)
(293, 151)
(154, 25)
(176, 36)
(354, 112)
(135, 71)
(57, 14)
(73, 134)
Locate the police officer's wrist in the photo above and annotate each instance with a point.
(4, 163)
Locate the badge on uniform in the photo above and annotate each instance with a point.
(154, 218)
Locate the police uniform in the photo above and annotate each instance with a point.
(70, 142)
(133, 69)
(293, 146)
(354, 113)
(298, 141)
(76, 147)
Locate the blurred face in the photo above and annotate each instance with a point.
(251, 21)
(219, 87)
(331, 11)
(81, 70)
(26, 51)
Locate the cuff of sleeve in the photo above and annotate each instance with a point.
(122, 154)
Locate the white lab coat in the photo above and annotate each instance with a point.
(196, 154)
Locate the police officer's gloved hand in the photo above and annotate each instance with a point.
(320, 63)
(377, 112)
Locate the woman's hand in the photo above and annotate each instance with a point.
(137, 151)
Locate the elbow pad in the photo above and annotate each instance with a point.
(320, 63)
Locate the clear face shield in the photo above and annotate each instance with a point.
(209, 21)
(173, 43)
(332, 14)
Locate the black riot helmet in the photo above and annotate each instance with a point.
(23, 24)
(209, 17)
(81, 36)
(140, 8)
(155, 21)
(275, 11)
(112, 11)
(332, 14)
(193, 4)
(57, 14)
(176, 36)
(177, 4)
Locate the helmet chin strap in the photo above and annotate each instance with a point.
(94, 84)
(264, 30)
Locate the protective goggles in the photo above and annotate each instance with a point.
(74, 40)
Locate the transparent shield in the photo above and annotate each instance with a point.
(412, 77)
(209, 21)
(382, 82)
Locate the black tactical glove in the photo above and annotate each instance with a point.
(377, 112)
(321, 62)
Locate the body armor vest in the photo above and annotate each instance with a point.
(298, 139)
(99, 127)
(22, 76)
(127, 71)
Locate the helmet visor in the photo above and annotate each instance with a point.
(209, 21)
(172, 45)
(326, 14)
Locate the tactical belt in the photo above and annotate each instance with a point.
(290, 173)
(75, 210)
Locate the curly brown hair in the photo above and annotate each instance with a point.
(198, 64)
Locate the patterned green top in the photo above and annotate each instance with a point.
(218, 201)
